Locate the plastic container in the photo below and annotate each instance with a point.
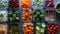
(49, 3)
(25, 4)
(40, 28)
(13, 4)
(28, 28)
(13, 29)
(26, 15)
(38, 15)
(52, 27)
(14, 16)
(3, 28)
(37, 4)
(3, 4)
(50, 15)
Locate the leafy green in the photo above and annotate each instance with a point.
(13, 16)
(38, 15)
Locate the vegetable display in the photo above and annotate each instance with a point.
(52, 28)
(3, 16)
(3, 3)
(28, 28)
(3, 28)
(50, 15)
(37, 4)
(40, 28)
(13, 29)
(27, 15)
(49, 3)
(13, 16)
(38, 15)
(25, 3)
(13, 4)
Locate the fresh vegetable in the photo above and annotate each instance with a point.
(3, 16)
(37, 4)
(49, 3)
(3, 3)
(13, 29)
(25, 3)
(27, 15)
(40, 28)
(13, 16)
(38, 15)
(3, 28)
(52, 28)
(13, 4)
(28, 28)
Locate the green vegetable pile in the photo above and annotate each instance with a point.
(40, 28)
(37, 3)
(13, 29)
(38, 15)
(13, 16)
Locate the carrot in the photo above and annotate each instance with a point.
(28, 29)
(25, 4)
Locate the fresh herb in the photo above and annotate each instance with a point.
(13, 29)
